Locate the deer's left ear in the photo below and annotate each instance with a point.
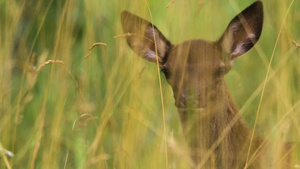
(141, 38)
(242, 32)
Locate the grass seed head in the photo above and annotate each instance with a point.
(49, 62)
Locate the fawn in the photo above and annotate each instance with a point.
(195, 69)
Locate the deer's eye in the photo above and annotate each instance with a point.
(166, 72)
(220, 72)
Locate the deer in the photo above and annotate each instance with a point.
(195, 70)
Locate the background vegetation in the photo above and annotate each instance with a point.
(101, 108)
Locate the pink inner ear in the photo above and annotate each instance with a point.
(149, 32)
(243, 46)
(150, 55)
(239, 50)
(236, 26)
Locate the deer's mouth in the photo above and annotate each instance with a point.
(184, 109)
(195, 101)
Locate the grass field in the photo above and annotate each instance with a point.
(64, 104)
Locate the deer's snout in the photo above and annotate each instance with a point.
(196, 100)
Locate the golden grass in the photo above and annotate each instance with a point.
(97, 44)
(123, 35)
(65, 103)
(265, 82)
(49, 62)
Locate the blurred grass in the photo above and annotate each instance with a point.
(104, 111)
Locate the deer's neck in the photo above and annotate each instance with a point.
(219, 123)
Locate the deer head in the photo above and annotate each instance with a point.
(195, 69)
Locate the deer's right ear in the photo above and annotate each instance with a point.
(242, 32)
(141, 38)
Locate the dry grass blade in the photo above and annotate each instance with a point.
(83, 115)
(123, 35)
(97, 44)
(100, 157)
(34, 156)
(73, 126)
(131, 34)
(296, 44)
(200, 6)
(160, 88)
(170, 3)
(49, 62)
(87, 55)
(92, 47)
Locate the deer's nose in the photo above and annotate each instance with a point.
(191, 100)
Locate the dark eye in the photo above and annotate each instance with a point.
(166, 72)
(220, 72)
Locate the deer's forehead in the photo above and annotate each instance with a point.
(195, 53)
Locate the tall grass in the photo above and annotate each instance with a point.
(64, 105)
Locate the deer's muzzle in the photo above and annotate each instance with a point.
(192, 101)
